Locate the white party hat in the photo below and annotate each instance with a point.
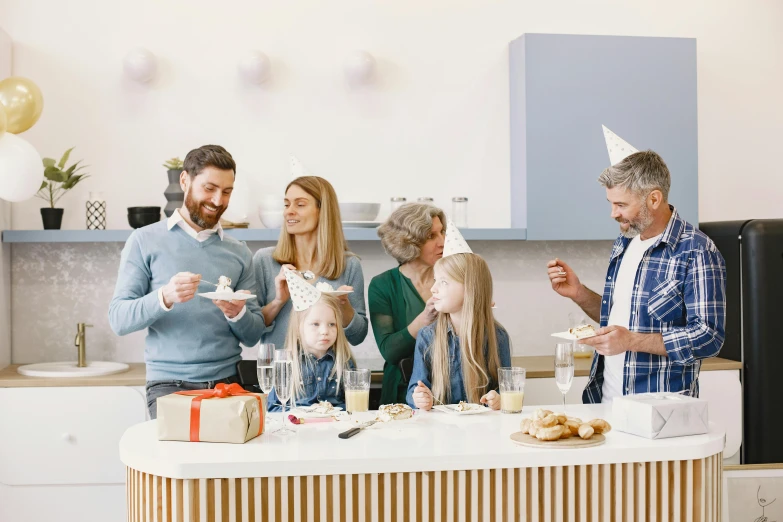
(455, 243)
(297, 169)
(303, 294)
(618, 148)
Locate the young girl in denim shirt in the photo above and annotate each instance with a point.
(457, 357)
(319, 349)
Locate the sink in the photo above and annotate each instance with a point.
(70, 369)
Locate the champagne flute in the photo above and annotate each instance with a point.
(564, 368)
(283, 385)
(265, 369)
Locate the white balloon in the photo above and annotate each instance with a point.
(359, 67)
(140, 65)
(255, 67)
(21, 169)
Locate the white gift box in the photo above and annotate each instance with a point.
(660, 415)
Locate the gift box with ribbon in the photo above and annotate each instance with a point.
(660, 415)
(226, 413)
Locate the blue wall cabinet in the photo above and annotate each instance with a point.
(563, 88)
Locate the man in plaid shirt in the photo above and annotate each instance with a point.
(664, 303)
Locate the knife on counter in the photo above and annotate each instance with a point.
(353, 431)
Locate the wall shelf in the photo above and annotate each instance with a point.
(244, 234)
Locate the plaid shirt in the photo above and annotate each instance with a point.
(679, 292)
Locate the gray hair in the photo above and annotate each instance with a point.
(407, 229)
(641, 173)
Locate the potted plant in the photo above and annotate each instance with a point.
(173, 193)
(59, 180)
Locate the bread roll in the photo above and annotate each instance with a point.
(586, 431)
(600, 425)
(551, 433)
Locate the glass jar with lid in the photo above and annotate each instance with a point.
(459, 211)
(396, 203)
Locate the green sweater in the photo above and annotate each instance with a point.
(394, 303)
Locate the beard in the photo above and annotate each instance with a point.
(638, 224)
(197, 215)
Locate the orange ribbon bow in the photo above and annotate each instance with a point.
(221, 391)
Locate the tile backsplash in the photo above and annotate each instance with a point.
(57, 285)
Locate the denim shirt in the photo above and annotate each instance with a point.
(422, 362)
(319, 385)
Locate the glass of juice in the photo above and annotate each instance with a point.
(512, 389)
(357, 390)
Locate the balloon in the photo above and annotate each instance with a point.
(359, 67)
(21, 168)
(3, 120)
(254, 67)
(140, 65)
(23, 103)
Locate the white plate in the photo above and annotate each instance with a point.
(226, 296)
(569, 336)
(362, 224)
(314, 412)
(475, 411)
(336, 292)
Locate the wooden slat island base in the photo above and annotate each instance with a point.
(476, 474)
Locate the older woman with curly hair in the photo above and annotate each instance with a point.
(399, 299)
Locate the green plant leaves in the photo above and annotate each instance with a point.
(65, 157)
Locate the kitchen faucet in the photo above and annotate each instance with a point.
(81, 342)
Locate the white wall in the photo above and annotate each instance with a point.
(435, 124)
(5, 223)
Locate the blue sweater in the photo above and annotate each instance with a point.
(266, 271)
(193, 341)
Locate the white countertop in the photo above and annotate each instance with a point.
(431, 441)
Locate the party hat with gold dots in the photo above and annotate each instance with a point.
(619, 149)
(455, 243)
(303, 294)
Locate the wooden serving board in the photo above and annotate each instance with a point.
(523, 439)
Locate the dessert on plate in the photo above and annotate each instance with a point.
(224, 284)
(546, 425)
(324, 287)
(392, 412)
(582, 331)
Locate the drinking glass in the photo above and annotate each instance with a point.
(283, 367)
(265, 371)
(564, 368)
(357, 390)
(512, 389)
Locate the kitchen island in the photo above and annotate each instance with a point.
(436, 466)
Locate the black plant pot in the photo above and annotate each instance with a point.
(174, 194)
(52, 218)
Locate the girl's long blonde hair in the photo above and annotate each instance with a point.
(478, 339)
(331, 247)
(293, 343)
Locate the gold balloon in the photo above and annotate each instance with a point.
(3, 120)
(23, 103)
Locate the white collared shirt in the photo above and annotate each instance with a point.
(177, 219)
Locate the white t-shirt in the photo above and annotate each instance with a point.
(620, 312)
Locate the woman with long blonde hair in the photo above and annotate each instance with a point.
(311, 242)
(458, 356)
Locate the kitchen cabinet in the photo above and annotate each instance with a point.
(563, 88)
(59, 457)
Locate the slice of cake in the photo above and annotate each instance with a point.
(582, 331)
(467, 406)
(224, 284)
(324, 287)
(392, 412)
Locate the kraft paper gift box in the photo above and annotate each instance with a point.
(660, 415)
(225, 414)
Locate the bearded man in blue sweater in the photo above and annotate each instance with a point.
(192, 342)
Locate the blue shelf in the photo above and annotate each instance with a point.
(244, 234)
